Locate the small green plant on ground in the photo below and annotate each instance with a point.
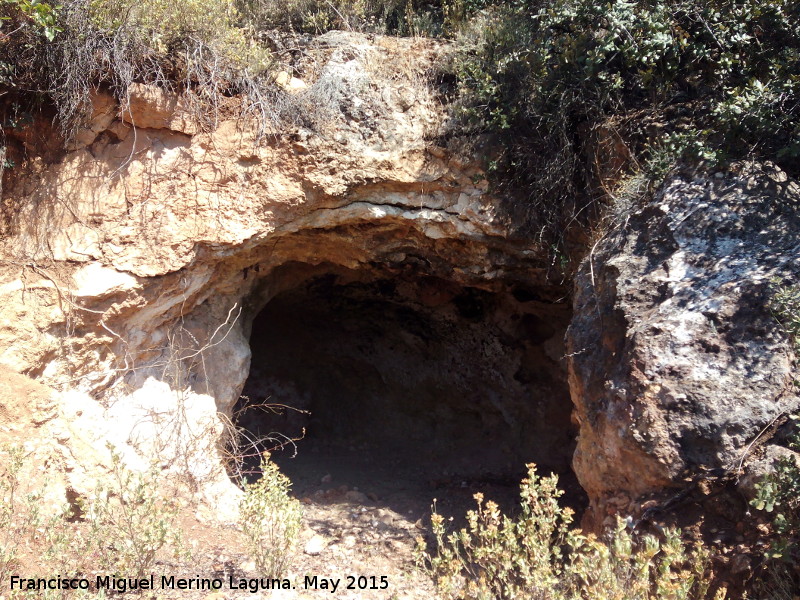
(538, 556)
(19, 514)
(779, 492)
(130, 522)
(8, 490)
(270, 519)
(26, 532)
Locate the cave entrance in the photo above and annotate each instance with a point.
(402, 389)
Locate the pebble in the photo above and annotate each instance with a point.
(315, 545)
(385, 516)
(356, 497)
(248, 565)
(396, 545)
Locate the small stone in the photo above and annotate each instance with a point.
(356, 497)
(385, 517)
(315, 545)
(396, 545)
(248, 565)
(740, 563)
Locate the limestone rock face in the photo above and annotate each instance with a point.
(134, 262)
(148, 218)
(676, 361)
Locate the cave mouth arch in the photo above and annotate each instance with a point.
(407, 386)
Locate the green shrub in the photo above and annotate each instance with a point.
(180, 26)
(25, 530)
(165, 23)
(399, 17)
(41, 15)
(270, 519)
(537, 556)
(14, 524)
(129, 522)
(496, 557)
(779, 494)
(785, 305)
(192, 46)
(716, 79)
(121, 529)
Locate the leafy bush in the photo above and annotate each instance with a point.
(142, 521)
(311, 16)
(270, 520)
(179, 27)
(121, 529)
(395, 17)
(779, 494)
(41, 15)
(163, 23)
(15, 522)
(714, 79)
(192, 46)
(785, 306)
(537, 556)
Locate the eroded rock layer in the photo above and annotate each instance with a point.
(136, 261)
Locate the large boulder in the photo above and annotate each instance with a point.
(677, 363)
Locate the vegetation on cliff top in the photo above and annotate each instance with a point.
(561, 82)
(554, 83)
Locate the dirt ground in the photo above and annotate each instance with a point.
(362, 514)
(364, 506)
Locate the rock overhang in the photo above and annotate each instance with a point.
(141, 246)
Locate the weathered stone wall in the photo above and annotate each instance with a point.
(676, 361)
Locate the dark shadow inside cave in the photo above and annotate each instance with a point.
(405, 390)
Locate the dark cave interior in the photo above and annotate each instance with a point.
(409, 388)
